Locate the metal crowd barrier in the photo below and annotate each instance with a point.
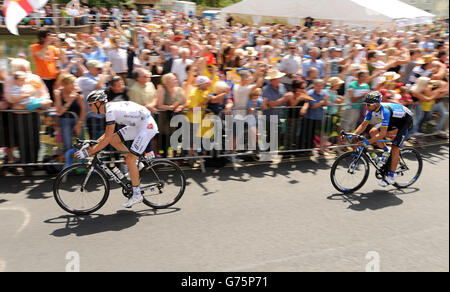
(30, 133)
(22, 131)
(98, 19)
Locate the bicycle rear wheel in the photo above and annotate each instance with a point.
(81, 189)
(409, 168)
(349, 174)
(163, 184)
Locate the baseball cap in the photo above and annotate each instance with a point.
(70, 42)
(202, 80)
(94, 64)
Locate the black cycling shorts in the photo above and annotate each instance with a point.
(403, 130)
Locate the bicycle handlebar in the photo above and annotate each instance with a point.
(350, 136)
(83, 144)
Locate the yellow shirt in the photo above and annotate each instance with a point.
(214, 78)
(196, 98)
(427, 105)
(234, 76)
(142, 95)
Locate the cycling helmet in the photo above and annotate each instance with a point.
(97, 95)
(373, 97)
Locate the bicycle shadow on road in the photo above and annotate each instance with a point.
(98, 223)
(376, 200)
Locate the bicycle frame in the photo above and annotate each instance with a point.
(97, 162)
(363, 151)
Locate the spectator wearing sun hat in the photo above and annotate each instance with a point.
(274, 95)
(423, 69)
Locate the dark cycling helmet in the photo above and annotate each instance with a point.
(97, 95)
(373, 97)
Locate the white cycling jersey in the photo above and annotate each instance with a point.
(140, 125)
(126, 113)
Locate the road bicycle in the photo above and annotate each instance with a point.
(83, 188)
(351, 170)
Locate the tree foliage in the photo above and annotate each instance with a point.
(215, 3)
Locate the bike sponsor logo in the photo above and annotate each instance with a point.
(110, 173)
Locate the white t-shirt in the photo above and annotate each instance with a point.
(290, 64)
(127, 113)
(179, 68)
(241, 95)
(118, 59)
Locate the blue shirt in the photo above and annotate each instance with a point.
(98, 55)
(255, 104)
(318, 64)
(315, 114)
(427, 46)
(272, 94)
(87, 84)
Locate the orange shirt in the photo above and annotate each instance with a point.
(46, 68)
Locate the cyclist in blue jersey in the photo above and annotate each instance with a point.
(391, 119)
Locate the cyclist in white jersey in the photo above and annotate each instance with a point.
(139, 127)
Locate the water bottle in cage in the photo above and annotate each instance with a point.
(374, 157)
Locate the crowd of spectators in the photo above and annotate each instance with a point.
(313, 77)
(76, 13)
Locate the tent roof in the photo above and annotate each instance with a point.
(343, 10)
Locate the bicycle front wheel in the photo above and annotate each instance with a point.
(349, 173)
(163, 184)
(409, 168)
(81, 189)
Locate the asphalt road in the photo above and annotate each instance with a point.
(280, 217)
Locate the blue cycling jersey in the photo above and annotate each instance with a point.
(389, 114)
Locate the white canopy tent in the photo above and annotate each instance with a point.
(367, 12)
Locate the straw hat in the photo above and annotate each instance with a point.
(354, 67)
(333, 81)
(426, 59)
(239, 52)
(251, 52)
(274, 74)
(266, 47)
(391, 76)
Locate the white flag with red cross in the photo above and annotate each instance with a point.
(16, 10)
